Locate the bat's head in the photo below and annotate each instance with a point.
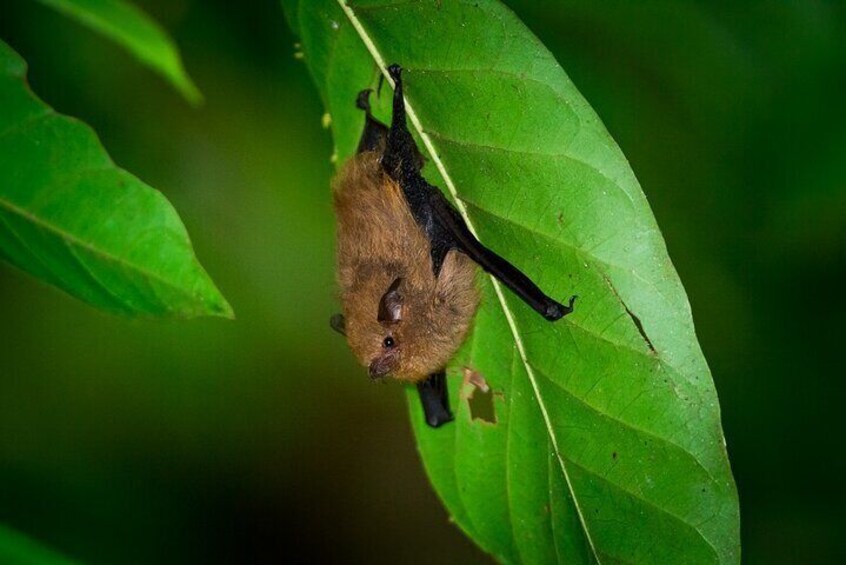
(380, 329)
(387, 346)
(406, 328)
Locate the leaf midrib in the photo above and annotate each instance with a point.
(69, 238)
(412, 115)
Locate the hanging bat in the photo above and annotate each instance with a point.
(405, 261)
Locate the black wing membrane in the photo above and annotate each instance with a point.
(443, 225)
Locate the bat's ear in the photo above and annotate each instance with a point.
(390, 306)
(338, 323)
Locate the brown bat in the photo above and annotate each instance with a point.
(406, 263)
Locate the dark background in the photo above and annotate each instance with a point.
(214, 441)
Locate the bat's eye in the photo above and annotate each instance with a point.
(388, 343)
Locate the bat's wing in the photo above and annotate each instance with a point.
(443, 225)
(455, 228)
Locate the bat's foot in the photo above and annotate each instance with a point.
(439, 419)
(395, 71)
(362, 102)
(555, 311)
(434, 399)
(375, 132)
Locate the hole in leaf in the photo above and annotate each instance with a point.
(482, 406)
(480, 398)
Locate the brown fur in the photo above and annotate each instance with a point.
(378, 242)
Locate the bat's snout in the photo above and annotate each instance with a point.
(382, 366)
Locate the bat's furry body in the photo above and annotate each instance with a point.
(379, 241)
(406, 263)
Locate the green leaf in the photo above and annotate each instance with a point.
(125, 24)
(607, 445)
(71, 217)
(17, 549)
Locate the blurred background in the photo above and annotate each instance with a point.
(259, 439)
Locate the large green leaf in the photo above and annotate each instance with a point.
(17, 549)
(71, 217)
(127, 25)
(607, 445)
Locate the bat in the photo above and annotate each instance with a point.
(406, 263)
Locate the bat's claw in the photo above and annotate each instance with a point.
(395, 71)
(363, 100)
(438, 420)
(555, 311)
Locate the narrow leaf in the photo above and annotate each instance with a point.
(71, 217)
(125, 24)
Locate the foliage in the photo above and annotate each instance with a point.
(128, 26)
(71, 217)
(607, 444)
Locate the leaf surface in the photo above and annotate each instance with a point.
(607, 445)
(70, 216)
(125, 24)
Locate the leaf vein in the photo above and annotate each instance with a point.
(26, 247)
(121, 304)
(71, 239)
(522, 77)
(556, 155)
(459, 410)
(649, 503)
(594, 259)
(508, 435)
(616, 418)
(412, 115)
